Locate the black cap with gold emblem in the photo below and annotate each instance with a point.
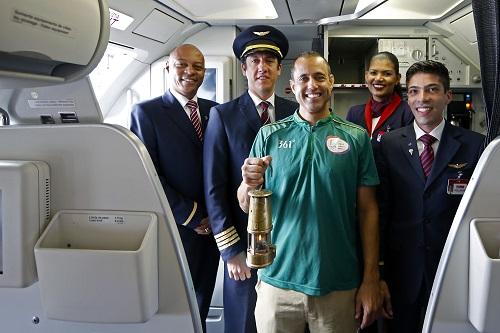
(260, 38)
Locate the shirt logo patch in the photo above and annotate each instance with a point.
(336, 145)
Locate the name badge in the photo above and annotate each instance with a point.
(457, 186)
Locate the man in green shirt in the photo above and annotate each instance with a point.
(321, 171)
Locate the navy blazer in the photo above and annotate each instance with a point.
(401, 117)
(167, 132)
(230, 133)
(416, 213)
(177, 152)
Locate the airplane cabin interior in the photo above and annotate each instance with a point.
(88, 241)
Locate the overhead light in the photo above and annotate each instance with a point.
(416, 10)
(397, 10)
(119, 20)
(366, 7)
(269, 9)
(228, 10)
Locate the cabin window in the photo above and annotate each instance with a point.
(113, 63)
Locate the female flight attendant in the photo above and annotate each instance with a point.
(385, 110)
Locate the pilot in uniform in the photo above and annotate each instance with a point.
(230, 132)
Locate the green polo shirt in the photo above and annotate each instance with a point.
(314, 175)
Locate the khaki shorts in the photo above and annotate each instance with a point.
(288, 311)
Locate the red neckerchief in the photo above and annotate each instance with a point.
(389, 109)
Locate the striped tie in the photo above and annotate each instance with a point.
(264, 116)
(427, 156)
(193, 106)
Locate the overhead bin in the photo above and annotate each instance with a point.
(47, 42)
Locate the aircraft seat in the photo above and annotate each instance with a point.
(93, 167)
(465, 296)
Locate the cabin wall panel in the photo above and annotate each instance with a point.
(218, 41)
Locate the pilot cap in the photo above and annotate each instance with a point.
(260, 38)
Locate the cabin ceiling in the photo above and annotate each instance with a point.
(296, 18)
(303, 13)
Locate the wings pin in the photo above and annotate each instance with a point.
(261, 33)
(457, 165)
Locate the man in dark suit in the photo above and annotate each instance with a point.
(231, 131)
(424, 169)
(171, 127)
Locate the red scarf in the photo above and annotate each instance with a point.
(388, 111)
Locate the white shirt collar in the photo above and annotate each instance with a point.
(182, 99)
(256, 99)
(437, 132)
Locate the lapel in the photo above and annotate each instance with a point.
(204, 112)
(388, 111)
(175, 112)
(448, 146)
(249, 112)
(408, 146)
(280, 110)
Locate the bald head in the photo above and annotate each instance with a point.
(185, 50)
(186, 70)
(309, 55)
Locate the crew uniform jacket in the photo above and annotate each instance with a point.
(417, 212)
(230, 133)
(389, 121)
(167, 132)
(164, 127)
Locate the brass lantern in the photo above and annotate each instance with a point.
(260, 251)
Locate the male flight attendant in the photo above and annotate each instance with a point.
(424, 169)
(171, 127)
(229, 136)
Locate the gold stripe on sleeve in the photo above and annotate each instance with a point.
(226, 238)
(229, 244)
(195, 206)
